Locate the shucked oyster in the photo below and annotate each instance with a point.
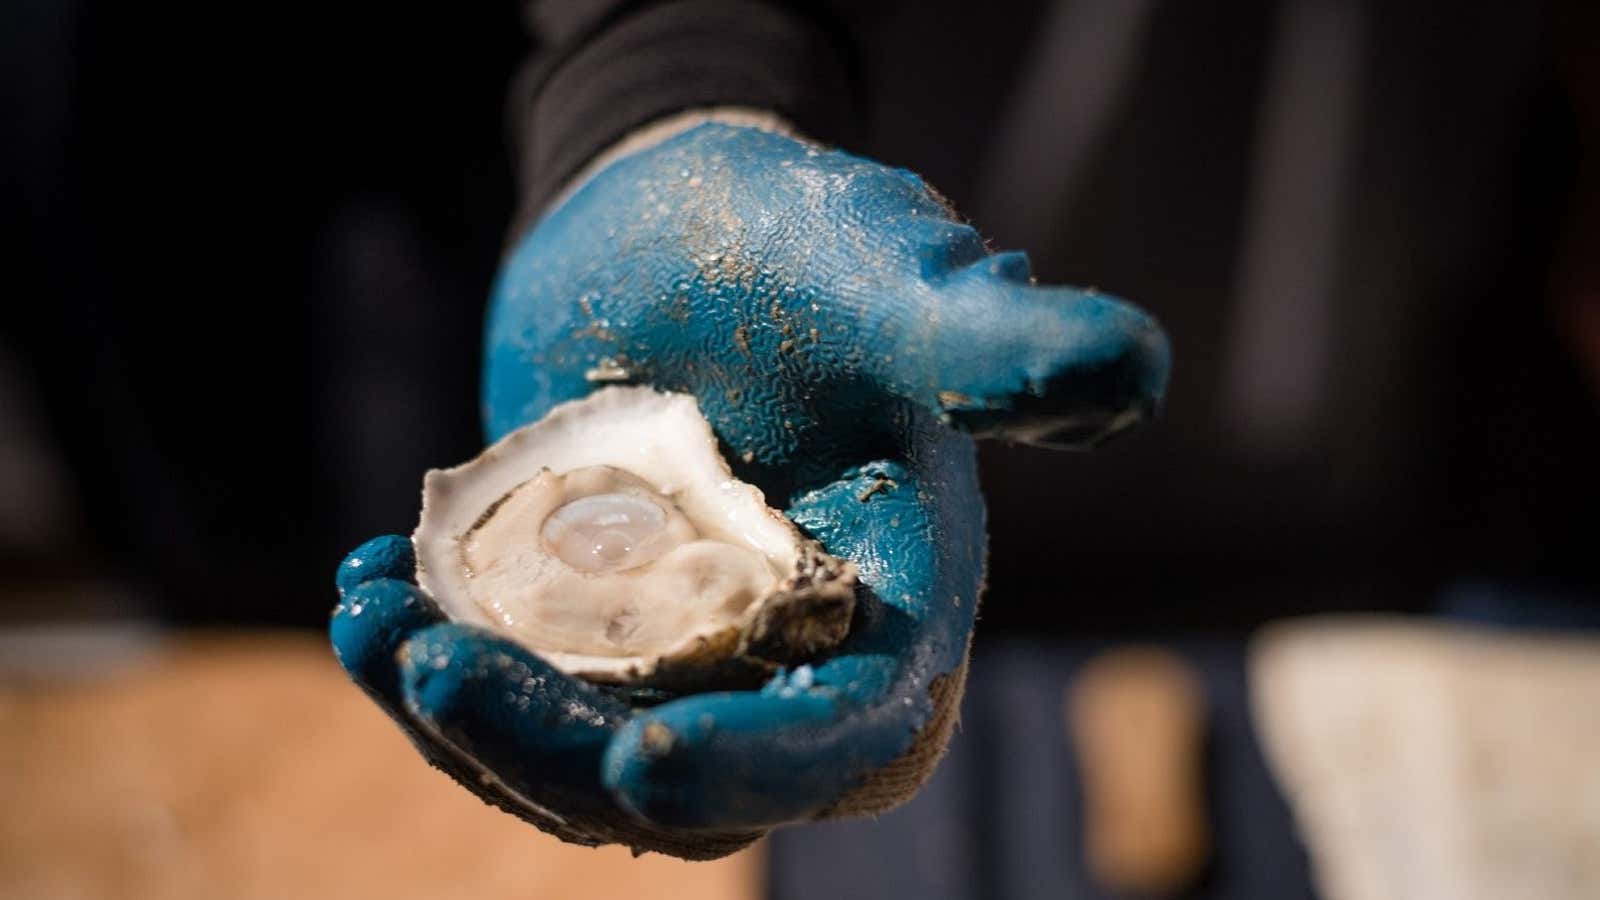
(611, 539)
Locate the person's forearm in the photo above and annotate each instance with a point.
(652, 133)
(602, 71)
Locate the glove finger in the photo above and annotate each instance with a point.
(379, 610)
(371, 621)
(385, 556)
(536, 731)
(487, 713)
(379, 606)
(1052, 366)
(532, 737)
(756, 759)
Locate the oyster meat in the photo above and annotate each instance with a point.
(611, 538)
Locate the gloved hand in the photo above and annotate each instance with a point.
(846, 334)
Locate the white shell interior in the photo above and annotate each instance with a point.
(602, 573)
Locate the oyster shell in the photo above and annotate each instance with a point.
(611, 538)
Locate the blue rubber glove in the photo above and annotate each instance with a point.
(847, 336)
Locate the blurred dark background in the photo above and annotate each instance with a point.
(247, 251)
(248, 254)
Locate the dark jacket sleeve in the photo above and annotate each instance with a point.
(602, 69)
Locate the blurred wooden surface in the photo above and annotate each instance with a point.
(249, 767)
(1136, 717)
